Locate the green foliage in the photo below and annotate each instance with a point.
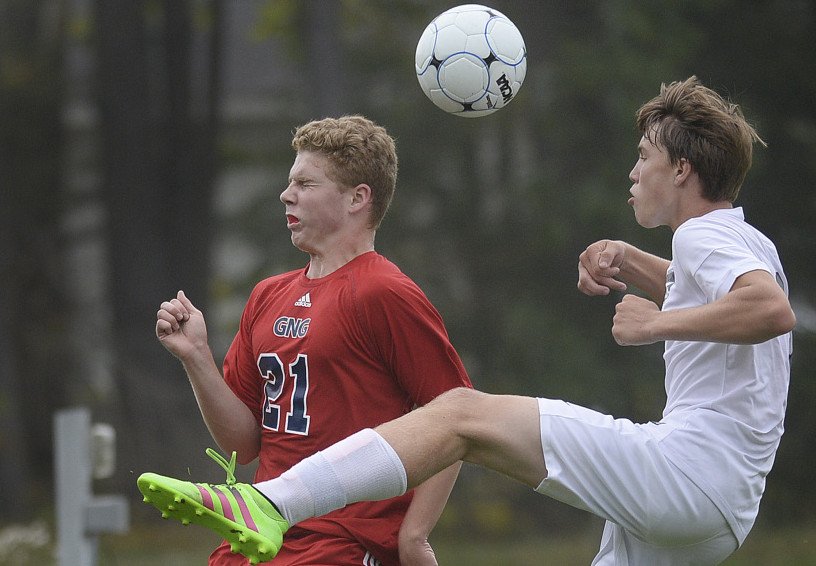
(276, 18)
(490, 214)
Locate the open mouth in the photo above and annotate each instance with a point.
(291, 220)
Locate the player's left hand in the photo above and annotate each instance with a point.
(631, 325)
(598, 267)
(416, 552)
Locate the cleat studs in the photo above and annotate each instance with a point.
(234, 548)
(199, 512)
(185, 521)
(152, 487)
(165, 515)
(146, 499)
(178, 499)
(171, 507)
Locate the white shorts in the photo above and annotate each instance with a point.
(616, 470)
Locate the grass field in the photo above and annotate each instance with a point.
(794, 547)
(170, 544)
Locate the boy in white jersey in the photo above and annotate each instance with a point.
(682, 491)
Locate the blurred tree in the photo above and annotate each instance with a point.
(32, 302)
(489, 214)
(158, 101)
(325, 52)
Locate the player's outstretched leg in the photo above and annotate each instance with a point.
(237, 511)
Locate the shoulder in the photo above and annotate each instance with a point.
(377, 274)
(721, 246)
(381, 289)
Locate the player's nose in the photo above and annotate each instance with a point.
(286, 196)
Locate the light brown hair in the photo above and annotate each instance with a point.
(690, 121)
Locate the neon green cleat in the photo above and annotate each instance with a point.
(236, 511)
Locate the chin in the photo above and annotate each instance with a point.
(645, 222)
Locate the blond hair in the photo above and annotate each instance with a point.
(359, 152)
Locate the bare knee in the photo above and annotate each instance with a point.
(467, 414)
(458, 405)
(457, 396)
(457, 413)
(501, 432)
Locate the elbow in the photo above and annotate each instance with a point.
(245, 452)
(781, 321)
(786, 321)
(249, 452)
(244, 458)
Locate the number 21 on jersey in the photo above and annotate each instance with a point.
(272, 370)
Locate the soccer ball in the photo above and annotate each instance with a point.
(471, 60)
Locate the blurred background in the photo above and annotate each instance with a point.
(144, 143)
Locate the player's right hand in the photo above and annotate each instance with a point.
(598, 265)
(180, 326)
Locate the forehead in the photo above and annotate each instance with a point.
(309, 164)
(648, 146)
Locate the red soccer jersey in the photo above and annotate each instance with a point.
(317, 360)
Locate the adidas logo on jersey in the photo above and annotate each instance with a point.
(304, 301)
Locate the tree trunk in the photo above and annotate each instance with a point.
(33, 356)
(158, 177)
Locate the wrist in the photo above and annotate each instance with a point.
(198, 359)
(411, 535)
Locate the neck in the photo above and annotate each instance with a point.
(323, 264)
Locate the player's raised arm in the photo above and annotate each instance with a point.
(756, 309)
(611, 265)
(180, 327)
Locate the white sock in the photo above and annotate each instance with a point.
(362, 467)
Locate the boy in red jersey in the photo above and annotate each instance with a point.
(345, 344)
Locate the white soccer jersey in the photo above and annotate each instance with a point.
(725, 403)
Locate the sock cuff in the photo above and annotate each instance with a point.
(394, 458)
(368, 467)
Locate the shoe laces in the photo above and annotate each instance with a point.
(229, 467)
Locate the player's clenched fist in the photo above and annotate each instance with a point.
(598, 265)
(180, 326)
(631, 325)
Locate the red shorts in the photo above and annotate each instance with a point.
(313, 549)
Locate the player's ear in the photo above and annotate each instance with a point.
(360, 196)
(682, 171)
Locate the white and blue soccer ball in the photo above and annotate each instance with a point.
(471, 60)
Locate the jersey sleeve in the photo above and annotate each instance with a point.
(411, 337)
(714, 256)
